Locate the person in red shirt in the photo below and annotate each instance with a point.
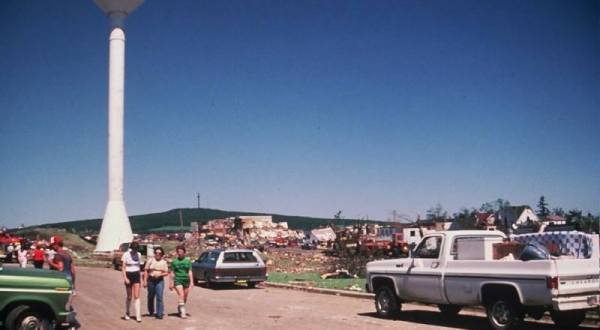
(38, 257)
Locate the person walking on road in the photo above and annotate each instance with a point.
(154, 274)
(131, 266)
(181, 278)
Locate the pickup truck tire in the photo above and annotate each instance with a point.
(504, 314)
(449, 310)
(568, 319)
(24, 317)
(386, 302)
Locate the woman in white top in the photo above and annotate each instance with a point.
(131, 267)
(22, 254)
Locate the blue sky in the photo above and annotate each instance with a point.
(303, 107)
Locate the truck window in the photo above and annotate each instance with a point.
(454, 250)
(429, 248)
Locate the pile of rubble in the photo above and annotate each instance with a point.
(295, 261)
(248, 231)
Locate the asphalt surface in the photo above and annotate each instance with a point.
(100, 301)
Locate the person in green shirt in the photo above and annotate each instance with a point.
(181, 278)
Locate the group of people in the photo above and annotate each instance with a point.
(40, 255)
(153, 277)
(18, 251)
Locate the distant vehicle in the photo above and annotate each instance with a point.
(308, 246)
(229, 266)
(454, 269)
(34, 299)
(146, 249)
(281, 242)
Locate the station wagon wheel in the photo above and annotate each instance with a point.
(23, 317)
(503, 314)
(386, 302)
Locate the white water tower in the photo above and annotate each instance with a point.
(116, 228)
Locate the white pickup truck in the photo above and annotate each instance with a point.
(437, 273)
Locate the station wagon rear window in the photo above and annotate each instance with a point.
(239, 257)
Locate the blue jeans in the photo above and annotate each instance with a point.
(155, 289)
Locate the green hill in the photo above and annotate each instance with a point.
(169, 220)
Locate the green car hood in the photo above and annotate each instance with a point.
(33, 278)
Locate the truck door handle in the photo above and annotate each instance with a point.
(400, 265)
(435, 265)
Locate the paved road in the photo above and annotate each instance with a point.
(100, 299)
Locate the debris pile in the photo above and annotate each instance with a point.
(249, 231)
(299, 261)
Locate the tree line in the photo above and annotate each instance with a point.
(466, 219)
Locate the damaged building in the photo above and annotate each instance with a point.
(251, 230)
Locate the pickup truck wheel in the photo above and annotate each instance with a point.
(568, 319)
(24, 317)
(449, 310)
(386, 302)
(252, 285)
(504, 314)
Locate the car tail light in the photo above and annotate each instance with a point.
(552, 282)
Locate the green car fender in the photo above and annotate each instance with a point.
(49, 290)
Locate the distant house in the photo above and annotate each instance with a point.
(321, 235)
(517, 216)
(443, 224)
(554, 220)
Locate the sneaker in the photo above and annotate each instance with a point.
(182, 312)
(159, 317)
(126, 317)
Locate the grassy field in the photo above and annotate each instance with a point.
(71, 241)
(313, 279)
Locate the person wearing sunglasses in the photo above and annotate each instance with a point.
(154, 273)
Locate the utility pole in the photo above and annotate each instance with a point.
(180, 219)
(198, 196)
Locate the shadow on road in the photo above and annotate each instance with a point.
(459, 322)
(225, 286)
